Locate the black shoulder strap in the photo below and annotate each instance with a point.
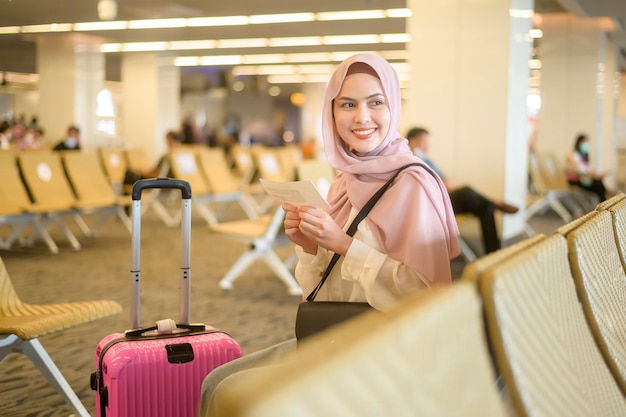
(360, 216)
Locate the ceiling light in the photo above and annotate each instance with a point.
(398, 12)
(218, 21)
(187, 61)
(281, 18)
(352, 14)
(86, 26)
(264, 59)
(52, 27)
(186, 45)
(9, 29)
(144, 46)
(157, 23)
(242, 43)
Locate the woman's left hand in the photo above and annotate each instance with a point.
(319, 225)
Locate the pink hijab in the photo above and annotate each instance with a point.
(413, 220)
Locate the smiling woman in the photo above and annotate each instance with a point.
(404, 243)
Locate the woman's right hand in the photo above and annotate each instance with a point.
(293, 232)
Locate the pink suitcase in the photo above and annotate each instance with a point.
(157, 371)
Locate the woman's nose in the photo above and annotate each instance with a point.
(362, 114)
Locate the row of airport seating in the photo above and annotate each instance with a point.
(551, 190)
(535, 329)
(40, 189)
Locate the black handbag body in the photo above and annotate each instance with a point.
(314, 316)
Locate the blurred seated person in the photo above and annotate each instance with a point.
(465, 200)
(71, 140)
(172, 139)
(579, 171)
(5, 135)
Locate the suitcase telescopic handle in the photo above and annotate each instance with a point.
(172, 183)
(185, 270)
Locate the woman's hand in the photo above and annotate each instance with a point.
(293, 232)
(319, 226)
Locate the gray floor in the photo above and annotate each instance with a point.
(257, 313)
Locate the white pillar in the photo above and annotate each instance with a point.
(151, 101)
(311, 115)
(71, 73)
(469, 83)
(579, 88)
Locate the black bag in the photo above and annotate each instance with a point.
(315, 316)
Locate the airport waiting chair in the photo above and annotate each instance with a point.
(224, 186)
(547, 194)
(598, 271)
(49, 187)
(17, 212)
(261, 235)
(114, 163)
(92, 188)
(46, 184)
(543, 346)
(426, 357)
(21, 325)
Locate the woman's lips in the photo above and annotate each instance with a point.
(363, 133)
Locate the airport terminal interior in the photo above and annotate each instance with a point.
(96, 95)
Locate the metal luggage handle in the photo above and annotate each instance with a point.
(185, 270)
(168, 183)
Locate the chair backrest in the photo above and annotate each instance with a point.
(10, 303)
(217, 172)
(13, 196)
(320, 172)
(288, 156)
(184, 165)
(426, 357)
(537, 177)
(46, 180)
(600, 278)
(243, 162)
(88, 179)
(268, 165)
(553, 171)
(550, 363)
(474, 270)
(113, 161)
(607, 204)
(138, 160)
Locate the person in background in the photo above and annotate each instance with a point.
(405, 243)
(5, 135)
(465, 200)
(172, 140)
(579, 172)
(71, 140)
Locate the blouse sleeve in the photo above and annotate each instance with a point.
(309, 269)
(383, 280)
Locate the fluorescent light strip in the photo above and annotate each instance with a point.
(186, 45)
(209, 21)
(218, 21)
(351, 14)
(157, 23)
(242, 43)
(281, 18)
(52, 27)
(90, 26)
(9, 29)
(273, 42)
(256, 59)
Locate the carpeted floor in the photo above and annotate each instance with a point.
(257, 313)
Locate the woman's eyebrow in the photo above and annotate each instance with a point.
(367, 98)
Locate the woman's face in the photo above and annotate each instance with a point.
(361, 112)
